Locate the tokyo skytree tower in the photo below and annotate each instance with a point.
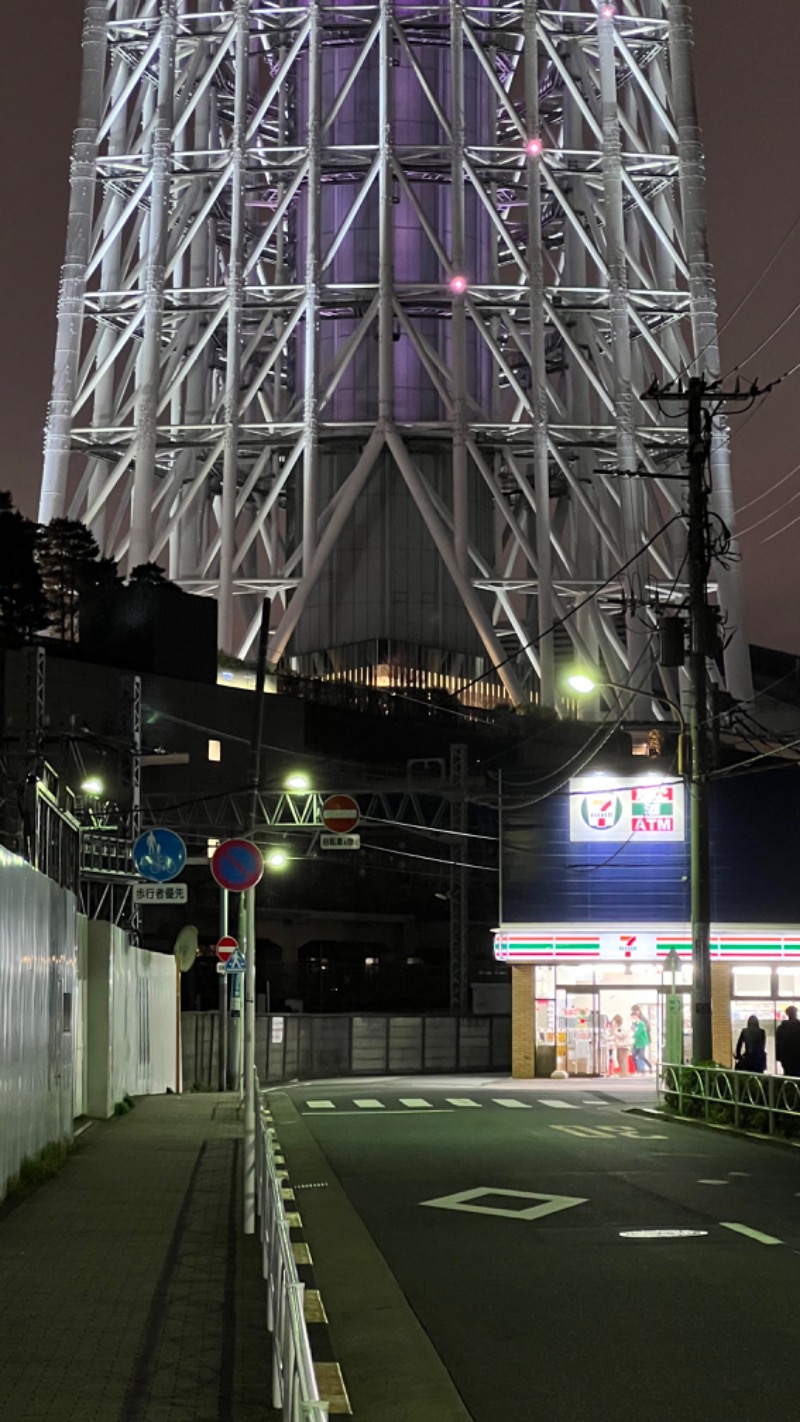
(359, 305)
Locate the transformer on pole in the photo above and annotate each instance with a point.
(358, 308)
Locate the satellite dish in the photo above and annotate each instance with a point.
(186, 947)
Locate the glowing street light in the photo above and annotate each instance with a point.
(276, 859)
(584, 685)
(297, 781)
(534, 147)
(458, 285)
(92, 786)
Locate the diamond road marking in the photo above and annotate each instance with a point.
(320, 1105)
(558, 1105)
(461, 1101)
(369, 1105)
(508, 1101)
(546, 1204)
(416, 1102)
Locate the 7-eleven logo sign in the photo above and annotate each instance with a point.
(628, 945)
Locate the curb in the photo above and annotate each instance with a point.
(654, 1113)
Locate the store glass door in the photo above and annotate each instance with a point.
(580, 1037)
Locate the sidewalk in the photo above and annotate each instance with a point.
(128, 1292)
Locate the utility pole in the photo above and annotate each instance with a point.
(703, 641)
(249, 921)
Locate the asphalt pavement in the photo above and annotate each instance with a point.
(566, 1259)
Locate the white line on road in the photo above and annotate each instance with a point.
(713, 1182)
(509, 1101)
(751, 1233)
(396, 1111)
(320, 1105)
(662, 1233)
(369, 1104)
(558, 1105)
(461, 1101)
(417, 1102)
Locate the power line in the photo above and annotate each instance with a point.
(780, 327)
(768, 491)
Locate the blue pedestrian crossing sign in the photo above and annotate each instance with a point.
(159, 855)
(235, 964)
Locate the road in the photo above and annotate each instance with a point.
(582, 1310)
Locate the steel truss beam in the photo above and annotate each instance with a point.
(322, 260)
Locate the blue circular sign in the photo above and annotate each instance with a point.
(237, 864)
(159, 855)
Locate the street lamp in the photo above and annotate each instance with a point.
(297, 781)
(276, 859)
(583, 683)
(93, 785)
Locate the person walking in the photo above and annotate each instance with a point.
(622, 1043)
(787, 1043)
(641, 1040)
(751, 1048)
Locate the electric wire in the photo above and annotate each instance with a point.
(768, 491)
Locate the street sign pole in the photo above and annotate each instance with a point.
(250, 1103)
(222, 1034)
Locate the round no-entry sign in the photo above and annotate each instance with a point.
(225, 947)
(237, 864)
(340, 814)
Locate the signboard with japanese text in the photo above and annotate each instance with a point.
(160, 893)
(612, 809)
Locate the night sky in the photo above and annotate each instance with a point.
(749, 97)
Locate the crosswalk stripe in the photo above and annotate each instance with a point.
(413, 1101)
(461, 1101)
(369, 1104)
(509, 1101)
(320, 1106)
(558, 1105)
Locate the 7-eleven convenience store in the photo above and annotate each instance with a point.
(567, 986)
(595, 915)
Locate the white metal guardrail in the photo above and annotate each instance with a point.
(750, 1100)
(294, 1385)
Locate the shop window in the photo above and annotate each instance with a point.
(575, 975)
(752, 982)
(789, 984)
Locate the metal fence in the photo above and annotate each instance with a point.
(750, 1100)
(294, 1384)
(318, 1045)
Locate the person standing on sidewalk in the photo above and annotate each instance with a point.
(751, 1048)
(787, 1043)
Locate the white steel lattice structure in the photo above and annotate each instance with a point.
(359, 304)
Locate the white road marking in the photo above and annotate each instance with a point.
(320, 1105)
(369, 1104)
(548, 1204)
(662, 1233)
(461, 1101)
(583, 1131)
(509, 1101)
(399, 1111)
(751, 1233)
(745, 1174)
(417, 1102)
(713, 1182)
(558, 1105)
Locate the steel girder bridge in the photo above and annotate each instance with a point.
(358, 308)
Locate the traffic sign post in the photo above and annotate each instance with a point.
(340, 814)
(159, 855)
(226, 947)
(237, 865)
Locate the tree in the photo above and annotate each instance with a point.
(151, 573)
(70, 562)
(23, 606)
